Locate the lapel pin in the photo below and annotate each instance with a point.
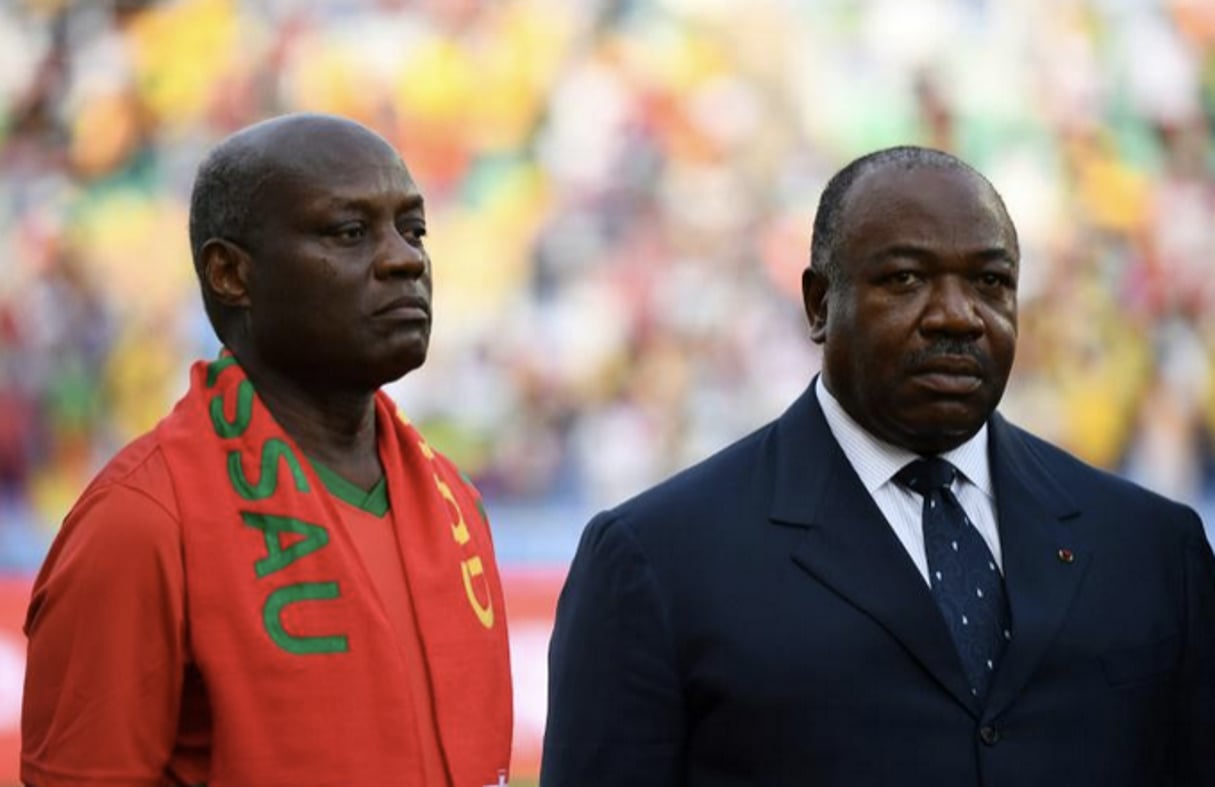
(1066, 556)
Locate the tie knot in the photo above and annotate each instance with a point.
(924, 475)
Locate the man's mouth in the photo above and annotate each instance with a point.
(950, 375)
(949, 383)
(411, 308)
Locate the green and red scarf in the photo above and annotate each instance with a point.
(305, 676)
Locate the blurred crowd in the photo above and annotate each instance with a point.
(619, 195)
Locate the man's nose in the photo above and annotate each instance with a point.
(399, 255)
(952, 309)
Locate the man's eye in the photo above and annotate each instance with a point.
(349, 233)
(995, 280)
(414, 233)
(903, 278)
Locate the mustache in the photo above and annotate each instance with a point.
(948, 348)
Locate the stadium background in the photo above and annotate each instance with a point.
(620, 195)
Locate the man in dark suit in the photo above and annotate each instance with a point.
(891, 584)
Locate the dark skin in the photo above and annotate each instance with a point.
(920, 330)
(329, 296)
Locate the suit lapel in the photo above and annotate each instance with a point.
(1040, 579)
(850, 547)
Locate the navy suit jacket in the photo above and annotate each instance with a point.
(755, 621)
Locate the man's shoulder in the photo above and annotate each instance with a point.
(141, 468)
(1088, 485)
(126, 520)
(718, 487)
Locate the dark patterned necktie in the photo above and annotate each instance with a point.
(965, 581)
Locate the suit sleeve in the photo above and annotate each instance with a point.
(1197, 693)
(615, 702)
(106, 646)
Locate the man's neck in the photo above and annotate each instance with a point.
(332, 426)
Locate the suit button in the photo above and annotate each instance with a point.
(989, 735)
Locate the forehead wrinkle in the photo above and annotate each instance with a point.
(1001, 246)
(1000, 254)
(313, 190)
(411, 200)
(974, 211)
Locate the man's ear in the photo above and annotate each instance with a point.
(225, 272)
(814, 298)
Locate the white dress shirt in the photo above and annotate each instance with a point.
(876, 463)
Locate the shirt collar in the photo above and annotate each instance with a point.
(876, 461)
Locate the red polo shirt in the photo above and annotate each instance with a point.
(111, 690)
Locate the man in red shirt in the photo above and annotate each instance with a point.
(282, 583)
